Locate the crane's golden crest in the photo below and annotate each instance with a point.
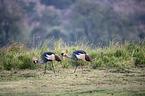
(34, 59)
(63, 51)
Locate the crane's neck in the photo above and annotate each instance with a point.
(40, 61)
(71, 57)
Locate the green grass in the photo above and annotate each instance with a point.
(118, 56)
(65, 82)
(115, 70)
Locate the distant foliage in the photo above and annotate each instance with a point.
(60, 4)
(98, 21)
(10, 22)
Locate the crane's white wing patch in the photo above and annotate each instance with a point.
(50, 57)
(81, 56)
(78, 56)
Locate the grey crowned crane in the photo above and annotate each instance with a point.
(47, 56)
(78, 54)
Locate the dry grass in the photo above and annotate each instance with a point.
(65, 82)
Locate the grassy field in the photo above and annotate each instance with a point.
(118, 70)
(93, 82)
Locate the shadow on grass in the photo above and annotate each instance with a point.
(117, 71)
(92, 91)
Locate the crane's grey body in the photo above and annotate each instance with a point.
(48, 56)
(77, 55)
(45, 57)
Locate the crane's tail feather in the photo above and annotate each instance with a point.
(87, 57)
(57, 57)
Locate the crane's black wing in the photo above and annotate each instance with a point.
(47, 53)
(45, 56)
(79, 52)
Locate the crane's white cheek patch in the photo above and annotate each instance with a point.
(64, 55)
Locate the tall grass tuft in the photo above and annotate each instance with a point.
(15, 56)
(120, 57)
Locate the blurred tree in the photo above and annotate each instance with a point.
(50, 17)
(28, 7)
(90, 17)
(57, 33)
(31, 14)
(10, 21)
(94, 20)
(59, 4)
(38, 35)
(101, 23)
(134, 10)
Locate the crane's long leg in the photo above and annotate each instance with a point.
(53, 66)
(82, 66)
(76, 65)
(45, 68)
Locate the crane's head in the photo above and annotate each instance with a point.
(63, 53)
(34, 60)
